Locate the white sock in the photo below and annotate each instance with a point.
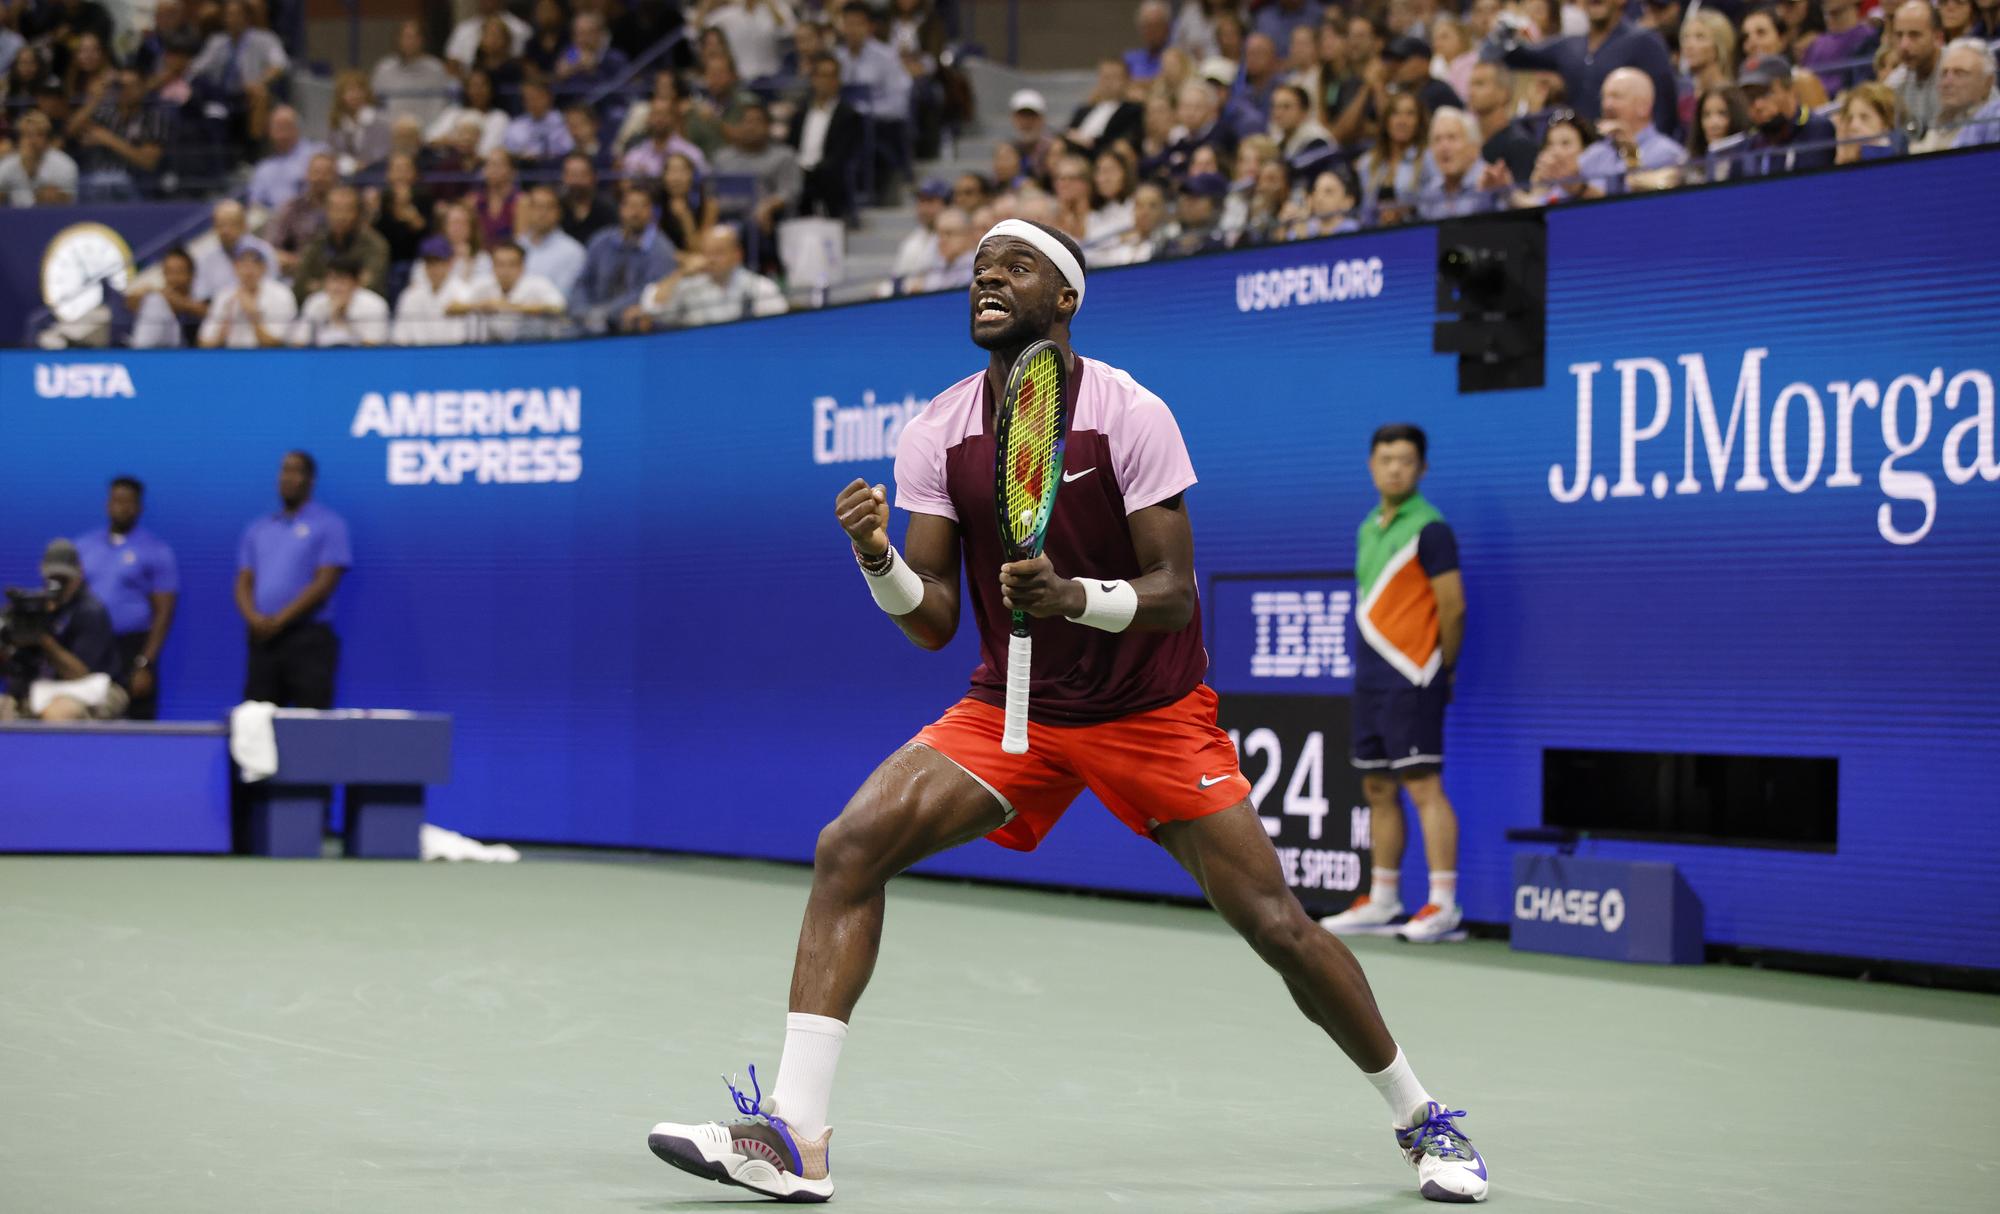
(1444, 889)
(1383, 886)
(805, 1071)
(1400, 1091)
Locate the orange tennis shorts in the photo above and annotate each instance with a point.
(1167, 765)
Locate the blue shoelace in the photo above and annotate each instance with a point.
(1436, 1135)
(752, 1106)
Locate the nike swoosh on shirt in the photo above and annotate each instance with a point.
(1212, 781)
(1077, 476)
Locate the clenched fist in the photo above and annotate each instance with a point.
(863, 511)
(1034, 586)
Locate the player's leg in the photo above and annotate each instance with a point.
(1238, 870)
(915, 804)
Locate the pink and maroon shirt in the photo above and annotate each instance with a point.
(1124, 453)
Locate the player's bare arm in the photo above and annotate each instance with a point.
(1164, 541)
(930, 549)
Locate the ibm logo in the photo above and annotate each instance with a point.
(1301, 634)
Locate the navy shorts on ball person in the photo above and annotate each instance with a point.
(1399, 731)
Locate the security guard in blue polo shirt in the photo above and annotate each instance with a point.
(133, 572)
(288, 566)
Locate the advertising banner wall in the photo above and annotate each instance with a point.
(1754, 510)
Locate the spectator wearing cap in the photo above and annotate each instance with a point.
(1968, 108)
(1409, 65)
(1031, 137)
(1846, 40)
(1107, 116)
(957, 245)
(1584, 60)
(1197, 226)
(409, 81)
(1632, 145)
(1784, 135)
(78, 644)
(345, 236)
(342, 312)
(215, 269)
(420, 315)
(1452, 182)
(133, 573)
(1504, 139)
(918, 254)
(826, 132)
(1155, 22)
(255, 313)
(1918, 37)
(288, 565)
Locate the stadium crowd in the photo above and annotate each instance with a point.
(622, 165)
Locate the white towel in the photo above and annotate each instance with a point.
(441, 844)
(89, 691)
(252, 741)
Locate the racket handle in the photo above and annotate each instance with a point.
(1014, 738)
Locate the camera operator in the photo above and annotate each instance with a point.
(61, 657)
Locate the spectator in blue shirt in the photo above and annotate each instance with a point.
(1279, 18)
(538, 133)
(1784, 136)
(1155, 22)
(590, 62)
(620, 263)
(1612, 42)
(869, 63)
(1631, 143)
(287, 568)
(133, 573)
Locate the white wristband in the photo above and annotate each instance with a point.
(1108, 605)
(897, 590)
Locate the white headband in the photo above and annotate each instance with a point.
(1045, 244)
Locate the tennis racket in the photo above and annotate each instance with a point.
(1028, 455)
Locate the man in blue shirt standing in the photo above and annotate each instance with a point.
(133, 572)
(288, 566)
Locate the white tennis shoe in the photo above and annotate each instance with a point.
(761, 1153)
(1432, 923)
(1366, 917)
(1448, 1168)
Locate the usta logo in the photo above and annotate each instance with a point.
(69, 380)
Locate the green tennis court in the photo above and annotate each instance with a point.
(235, 1035)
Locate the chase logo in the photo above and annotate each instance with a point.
(1576, 907)
(68, 381)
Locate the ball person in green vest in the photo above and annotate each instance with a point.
(1410, 610)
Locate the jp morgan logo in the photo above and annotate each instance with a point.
(72, 380)
(1576, 907)
(1814, 437)
(1332, 282)
(511, 436)
(845, 434)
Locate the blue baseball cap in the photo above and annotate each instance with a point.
(1206, 185)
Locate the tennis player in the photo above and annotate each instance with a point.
(1118, 707)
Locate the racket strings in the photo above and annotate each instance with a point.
(1033, 437)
